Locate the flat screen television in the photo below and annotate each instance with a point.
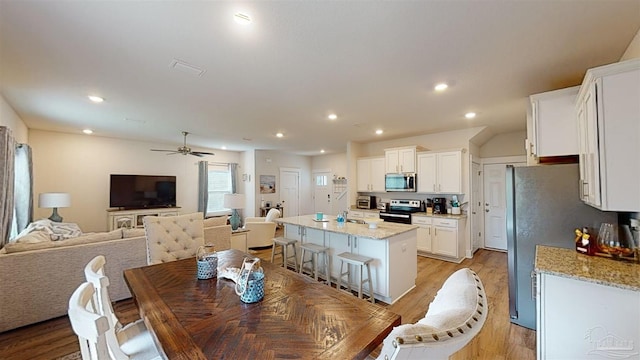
(142, 191)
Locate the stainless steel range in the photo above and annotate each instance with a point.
(399, 211)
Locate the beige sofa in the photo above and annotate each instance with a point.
(37, 279)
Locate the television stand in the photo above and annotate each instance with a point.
(132, 218)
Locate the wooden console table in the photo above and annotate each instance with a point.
(298, 317)
(129, 219)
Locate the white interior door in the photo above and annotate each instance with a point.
(290, 191)
(476, 208)
(322, 192)
(495, 224)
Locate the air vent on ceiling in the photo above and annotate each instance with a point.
(186, 67)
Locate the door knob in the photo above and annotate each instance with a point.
(487, 210)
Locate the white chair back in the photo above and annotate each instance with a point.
(272, 215)
(171, 238)
(94, 333)
(94, 273)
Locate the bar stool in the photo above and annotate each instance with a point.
(314, 250)
(283, 244)
(356, 260)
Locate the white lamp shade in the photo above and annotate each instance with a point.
(54, 200)
(233, 201)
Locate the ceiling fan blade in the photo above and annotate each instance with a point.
(161, 150)
(201, 153)
(196, 154)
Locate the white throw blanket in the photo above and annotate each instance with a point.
(55, 230)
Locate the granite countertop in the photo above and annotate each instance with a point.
(443, 216)
(383, 231)
(571, 264)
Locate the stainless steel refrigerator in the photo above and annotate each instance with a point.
(543, 207)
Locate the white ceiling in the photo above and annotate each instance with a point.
(372, 63)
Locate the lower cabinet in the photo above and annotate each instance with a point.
(583, 320)
(440, 237)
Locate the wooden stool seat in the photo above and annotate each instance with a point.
(356, 260)
(315, 250)
(283, 245)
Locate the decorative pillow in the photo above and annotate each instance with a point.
(129, 233)
(33, 238)
(215, 221)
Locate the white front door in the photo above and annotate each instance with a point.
(322, 192)
(495, 224)
(476, 208)
(290, 191)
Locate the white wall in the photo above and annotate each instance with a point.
(506, 144)
(81, 165)
(633, 50)
(269, 162)
(10, 119)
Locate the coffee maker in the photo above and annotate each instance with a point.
(439, 205)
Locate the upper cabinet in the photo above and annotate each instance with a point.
(440, 172)
(370, 174)
(551, 124)
(608, 118)
(400, 160)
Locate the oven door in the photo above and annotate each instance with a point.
(400, 182)
(396, 217)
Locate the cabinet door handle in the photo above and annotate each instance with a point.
(355, 242)
(435, 232)
(348, 240)
(429, 231)
(534, 285)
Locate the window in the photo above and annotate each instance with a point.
(321, 180)
(218, 185)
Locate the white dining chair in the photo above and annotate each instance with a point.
(98, 340)
(94, 273)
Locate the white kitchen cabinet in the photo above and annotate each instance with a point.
(608, 117)
(370, 174)
(583, 320)
(445, 239)
(424, 232)
(551, 124)
(440, 172)
(400, 160)
(130, 219)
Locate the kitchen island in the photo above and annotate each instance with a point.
(391, 245)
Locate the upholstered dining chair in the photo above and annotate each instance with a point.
(98, 340)
(171, 238)
(456, 315)
(262, 229)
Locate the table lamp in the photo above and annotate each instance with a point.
(54, 200)
(234, 202)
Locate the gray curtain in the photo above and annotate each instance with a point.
(233, 170)
(23, 191)
(203, 186)
(7, 159)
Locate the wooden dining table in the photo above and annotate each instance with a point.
(298, 318)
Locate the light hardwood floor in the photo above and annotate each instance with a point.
(499, 339)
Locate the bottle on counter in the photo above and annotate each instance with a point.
(584, 243)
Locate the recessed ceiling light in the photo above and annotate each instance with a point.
(95, 99)
(379, 132)
(321, 151)
(242, 18)
(87, 131)
(279, 134)
(470, 115)
(332, 116)
(441, 87)
(224, 147)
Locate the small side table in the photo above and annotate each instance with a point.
(239, 239)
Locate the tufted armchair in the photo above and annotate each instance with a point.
(171, 238)
(263, 229)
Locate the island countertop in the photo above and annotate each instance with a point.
(384, 230)
(570, 264)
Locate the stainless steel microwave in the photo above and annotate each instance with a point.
(400, 182)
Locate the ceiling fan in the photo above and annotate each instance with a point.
(184, 149)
